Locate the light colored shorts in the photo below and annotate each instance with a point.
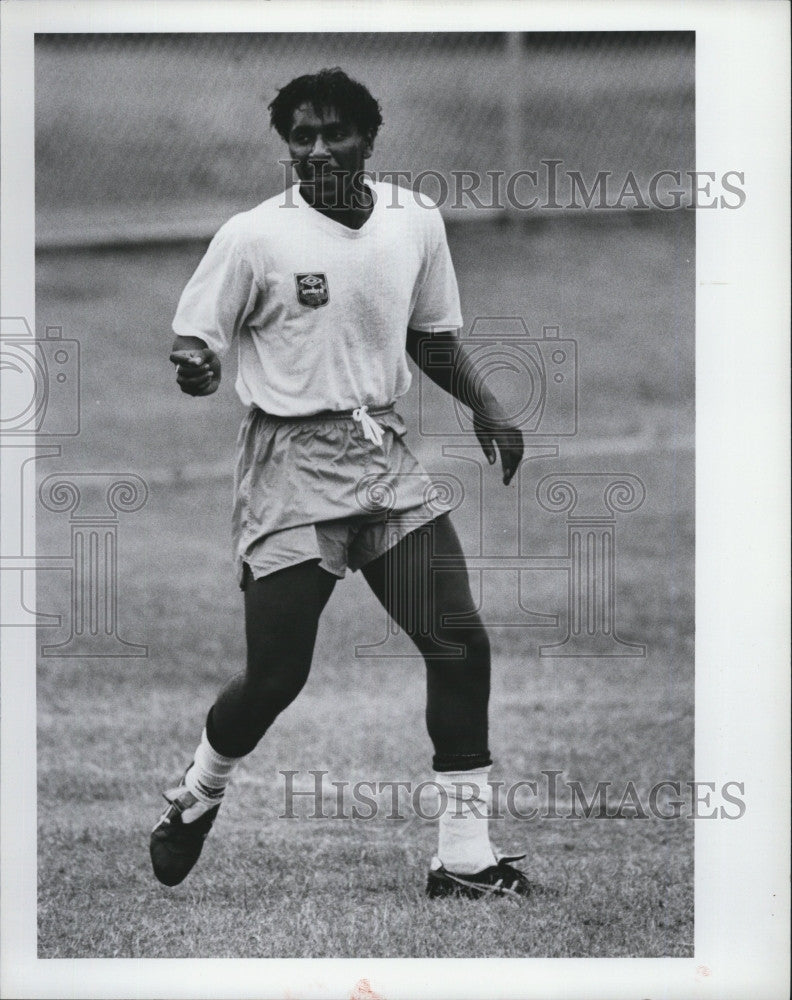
(317, 488)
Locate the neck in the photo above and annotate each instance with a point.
(351, 210)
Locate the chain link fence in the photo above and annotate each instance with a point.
(161, 136)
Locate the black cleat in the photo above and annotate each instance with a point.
(174, 845)
(500, 879)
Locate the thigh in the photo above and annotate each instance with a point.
(282, 611)
(423, 584)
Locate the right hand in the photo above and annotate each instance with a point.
(197, 371)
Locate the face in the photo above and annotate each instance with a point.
(328, 153)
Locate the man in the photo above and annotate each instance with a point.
(326, 289)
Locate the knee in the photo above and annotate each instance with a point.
(270, 692)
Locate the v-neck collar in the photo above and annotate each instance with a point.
(338, 228)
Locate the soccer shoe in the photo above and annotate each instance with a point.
(174, 845)
(500, 879)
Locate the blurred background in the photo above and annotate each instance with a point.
(144, 146)
(169, 134)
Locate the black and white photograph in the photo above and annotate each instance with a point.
(394, 500)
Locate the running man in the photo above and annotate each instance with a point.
(326, 289)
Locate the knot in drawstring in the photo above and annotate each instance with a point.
(371, 429)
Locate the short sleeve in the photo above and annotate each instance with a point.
(219, 296)
(436, 306)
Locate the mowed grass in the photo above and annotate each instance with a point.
(112, 733)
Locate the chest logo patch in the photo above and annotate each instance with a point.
(312, 289)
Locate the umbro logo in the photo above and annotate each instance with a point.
(312, 289)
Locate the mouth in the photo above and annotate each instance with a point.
(328, 185)
(323, 175)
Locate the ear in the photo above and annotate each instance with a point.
(368, 146)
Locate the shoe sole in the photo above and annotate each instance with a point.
(453, 885)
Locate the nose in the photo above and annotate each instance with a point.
(319, 150)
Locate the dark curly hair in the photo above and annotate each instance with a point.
(329, 88)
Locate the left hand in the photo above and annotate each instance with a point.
(492, 428)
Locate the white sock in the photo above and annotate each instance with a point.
(207, 778)
(463, 833)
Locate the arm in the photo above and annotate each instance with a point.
(457, 375)
(212, 310)
(198, 368)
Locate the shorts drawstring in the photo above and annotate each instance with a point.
(372, 431)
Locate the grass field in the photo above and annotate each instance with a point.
(112, 733)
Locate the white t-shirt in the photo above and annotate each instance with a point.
(321, 311)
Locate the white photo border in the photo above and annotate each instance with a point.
(742, 518)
